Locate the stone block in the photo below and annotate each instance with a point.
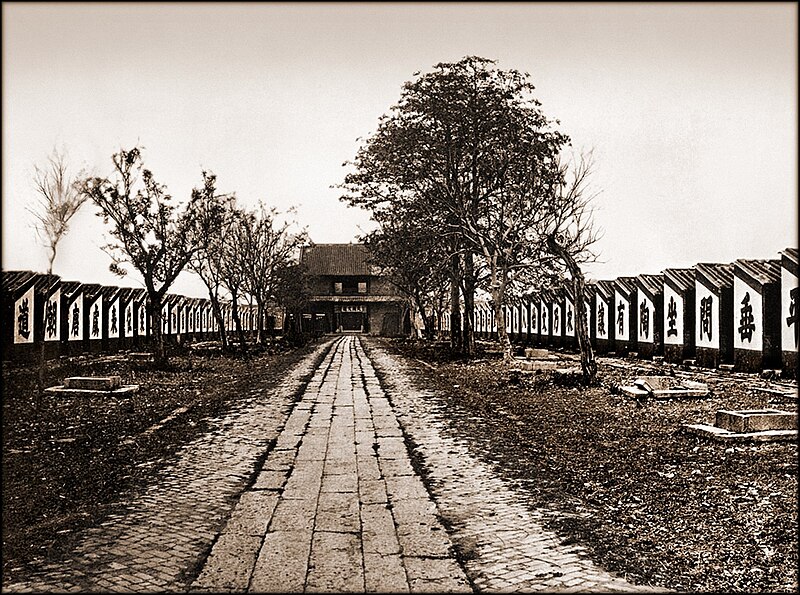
(292, 548)
(93, 382)
(755, 420)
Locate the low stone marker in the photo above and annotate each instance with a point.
(783, 392)
(93, 386)
(141, 357)
(538, 359)
(664, 387)
(749, 424)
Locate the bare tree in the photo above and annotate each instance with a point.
(570, 234)
(150, 234)
(59, 199)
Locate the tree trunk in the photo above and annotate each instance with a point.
(468, 338)
(217, 310)
(455, 303)
(154, 309)
(500, 317)
(588, 363)
(237, 322)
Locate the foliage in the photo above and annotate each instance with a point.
(468, 155)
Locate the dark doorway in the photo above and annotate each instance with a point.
(351, 321)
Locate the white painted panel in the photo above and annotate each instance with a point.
(621, 314)
(706, 317)
(75, 320)
(52, 317)
(143, 318)
(524, 318)
(569, 318)
(748, 314)
(601, 320)
(789, 324)
(96, 319)
(534, 318)
(544, 312)
(23, 318)
(645, 318)
(557, 320)
(114, 321)
(673, 316)
(129, 320)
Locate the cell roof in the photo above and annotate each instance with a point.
(758, 272)
(680, 279)
(605, 288)
(652, 285)
(336, 259)
(716, 275)
(625, 284)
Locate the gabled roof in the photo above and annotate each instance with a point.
(605, 289)
(652, 285)
(715, 275)
(789, 260)
(625, 285)
(15, 283)
(680, 279)
(757, 273)
(336, 259)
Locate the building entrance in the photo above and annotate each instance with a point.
(351, 321)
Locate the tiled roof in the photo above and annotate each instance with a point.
(715, 274)
(605, 288)
(682, 279)
(789, 260)
(336, 259)
(758, 272)
(791, 253)
(626, 285)
(652, 284)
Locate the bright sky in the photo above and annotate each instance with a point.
(691, 110)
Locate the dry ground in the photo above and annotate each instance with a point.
(652, 502)
(66, 458)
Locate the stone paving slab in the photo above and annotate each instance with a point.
(349, 518)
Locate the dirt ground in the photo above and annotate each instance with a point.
(66, 458)
(651, 502)
(647, 499)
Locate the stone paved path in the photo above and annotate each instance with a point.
(507, 548)
(321, 495)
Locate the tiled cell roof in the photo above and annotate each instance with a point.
(651, 284)
(336, 259)
(626, 285)
(715, 274)
(605, 288)
(758, 272)
(681, 279)
(789, 260)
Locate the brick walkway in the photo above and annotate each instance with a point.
(320, 495)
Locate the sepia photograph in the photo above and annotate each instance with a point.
(399, 297)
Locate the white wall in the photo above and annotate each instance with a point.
(788, 331)
(743, 312)
(670, 295)
(702, 338)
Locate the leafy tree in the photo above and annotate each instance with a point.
(415, 262)
(60, 198)
(468, 149)
(207, 263)
(149, 232)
